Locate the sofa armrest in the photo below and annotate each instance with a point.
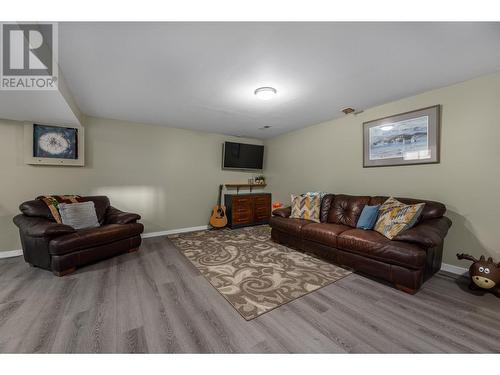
(428, 233)
(283, 212)
(41, 227)
(115, 216)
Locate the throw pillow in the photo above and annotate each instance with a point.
(79, 215)
(53, 201)
(306, 207)
(395, 217)
(320, 193)
(368, 217)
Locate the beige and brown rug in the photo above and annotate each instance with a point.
(252, 272)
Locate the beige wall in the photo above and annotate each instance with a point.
(328, 157)
(170, 176)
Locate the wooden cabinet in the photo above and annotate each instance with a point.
(247, 209)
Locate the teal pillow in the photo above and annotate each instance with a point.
(368, 217)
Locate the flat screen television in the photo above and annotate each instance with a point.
(242, 156)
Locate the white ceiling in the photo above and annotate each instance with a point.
(202, 75)
(46, 107)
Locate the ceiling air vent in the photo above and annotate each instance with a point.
(348, 110)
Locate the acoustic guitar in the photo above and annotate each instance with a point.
(219, 218)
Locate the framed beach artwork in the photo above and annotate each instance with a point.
(404, 139)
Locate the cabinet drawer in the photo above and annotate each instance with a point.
(261, 219)
(262, 202)
(243, 206)
(262, 214)
(242, 200)
(265, 210)
(242, 218)
(242, 213)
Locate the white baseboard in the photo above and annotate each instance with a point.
(174, 231)
(454, 269)
(10, 254)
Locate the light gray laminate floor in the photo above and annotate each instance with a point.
(156, 301)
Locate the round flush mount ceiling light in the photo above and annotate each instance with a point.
(265, 93)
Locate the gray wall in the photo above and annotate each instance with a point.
(328, 157)
(170, 176)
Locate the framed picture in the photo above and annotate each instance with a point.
(404, 139)
(55, 142)
(53, 145)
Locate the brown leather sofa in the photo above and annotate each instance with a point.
(406, 261)
(61, 249)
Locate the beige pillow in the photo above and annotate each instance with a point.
(306, 207)
(395, 217)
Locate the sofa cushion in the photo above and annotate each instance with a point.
(374, 245)
(288, 225)
(324, 233)
(428, 233)
(86, 238)
(326, 203)
(345, 209)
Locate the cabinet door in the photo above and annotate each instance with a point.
(242, 210)
(262, 208)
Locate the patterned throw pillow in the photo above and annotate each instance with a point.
(395, 217)
(53, 201)
(320, 193)
(306, 207)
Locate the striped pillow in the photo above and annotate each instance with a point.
(395, 217)
(306, 207)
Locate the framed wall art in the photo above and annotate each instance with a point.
(404, 139)
(53, 145)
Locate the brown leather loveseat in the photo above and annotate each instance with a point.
(61, 248)
(406, 261)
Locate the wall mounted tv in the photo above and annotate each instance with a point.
(242, 156)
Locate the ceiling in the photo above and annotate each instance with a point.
(46, 107)
(202, 75)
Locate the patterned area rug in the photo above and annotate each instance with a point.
(252, 272)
